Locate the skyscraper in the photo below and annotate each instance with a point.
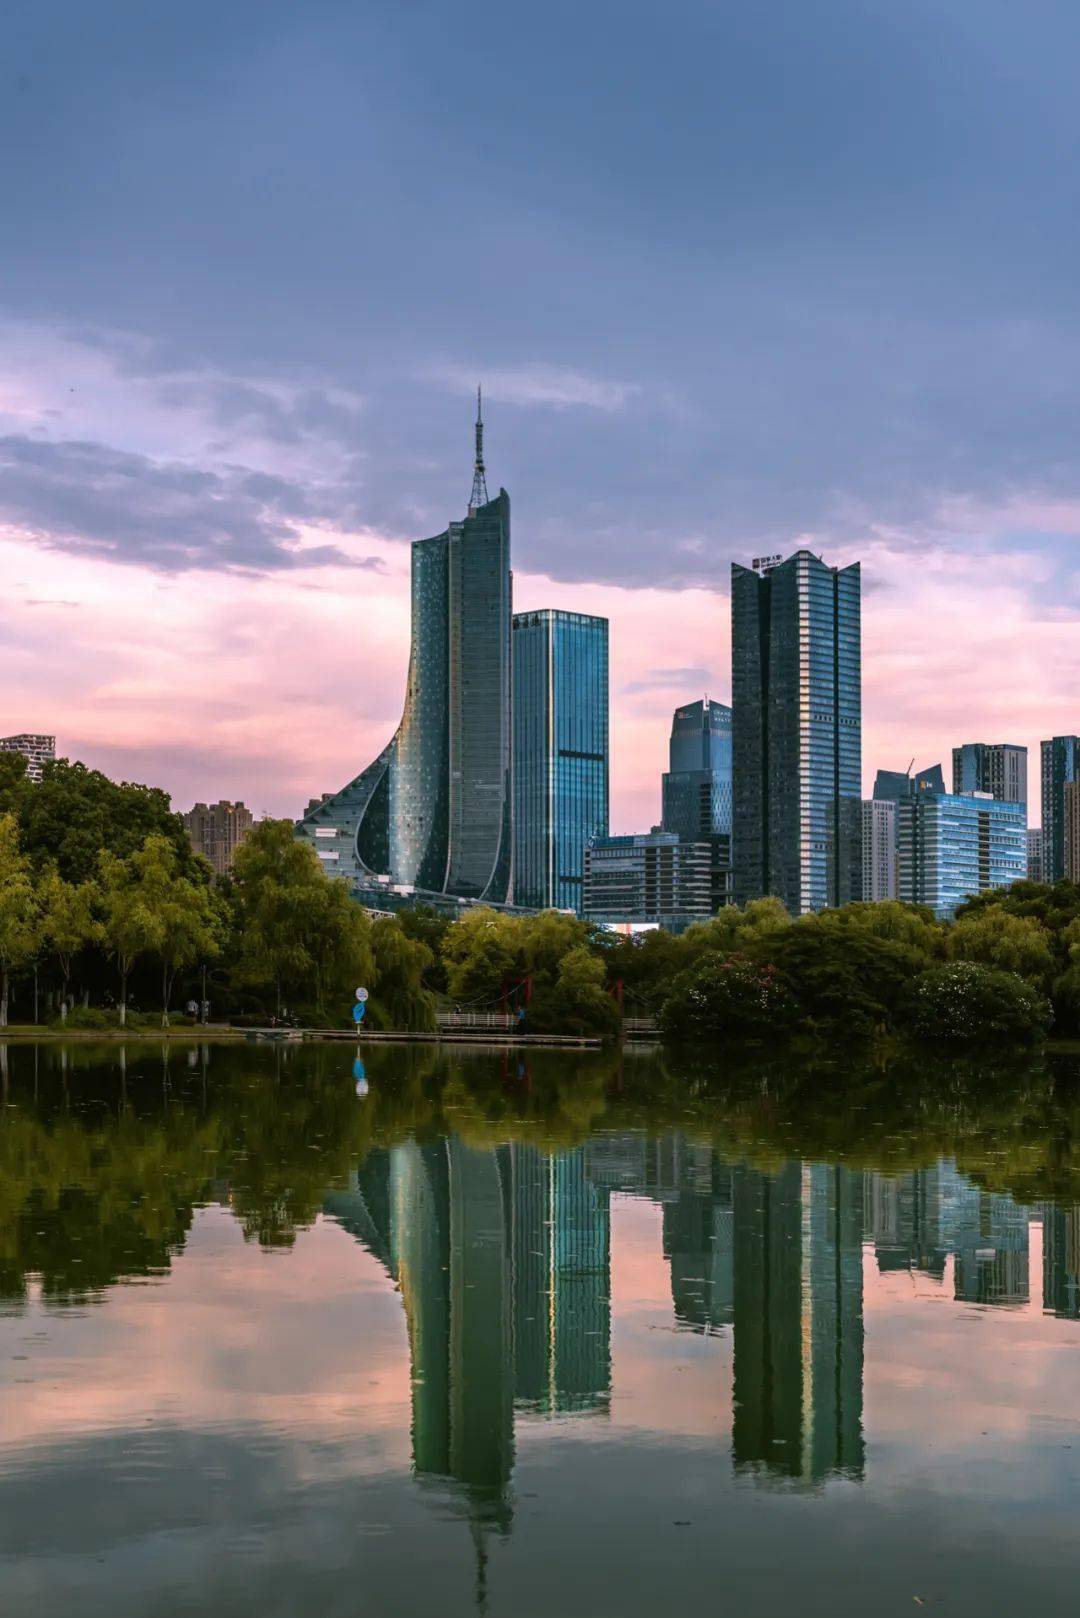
(1070, 799)
(433, 812)
(796, 755)
(696, 790)
(999, 768)
(1035, 854)
(560, 752)
(1060, 761)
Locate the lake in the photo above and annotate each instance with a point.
(520, 1333)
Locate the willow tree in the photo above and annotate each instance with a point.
(20, 910)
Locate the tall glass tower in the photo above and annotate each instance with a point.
(1060, 764)
(560, 752)
(696, 789)
(433, 812)
(796, 689)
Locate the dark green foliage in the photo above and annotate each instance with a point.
(965, 1002)
(727, 998)
(73, 814)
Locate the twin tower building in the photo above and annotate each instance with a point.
(497, 778)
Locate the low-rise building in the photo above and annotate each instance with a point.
(217, 830)
(652, 877)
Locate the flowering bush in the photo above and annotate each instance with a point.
(729, 997)
(964, 1001)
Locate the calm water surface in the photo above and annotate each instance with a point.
(535, 1334)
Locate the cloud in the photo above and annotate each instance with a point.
(91, 500)
(540, 384)
(694, 678)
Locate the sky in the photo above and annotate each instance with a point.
(735, 278)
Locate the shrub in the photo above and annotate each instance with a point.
(732, 998)
(969, 1003)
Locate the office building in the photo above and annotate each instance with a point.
(1061, 1261)
(560, 753)
(1035, 865)
(653, 877)
(892, 785)
(37, 751)
(696, 789)
(217, 830)
(1060, 758)
(432, 814)
(953, 845)
(1070, 802)
(879, 854)
(796, 740)
(999, 768)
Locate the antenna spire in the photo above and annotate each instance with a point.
(479, 496)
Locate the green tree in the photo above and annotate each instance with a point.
(20, 910)
(995, 937)
(69, 923)
(727, 997)
(481, 951)
(188, 917)
(576, 1002)
(399, 998)
(967, 1002)
(131, 921)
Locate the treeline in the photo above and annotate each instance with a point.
(103, 901)
(104, 907)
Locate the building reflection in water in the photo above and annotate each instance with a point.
(798, 1323)
(503, 1260)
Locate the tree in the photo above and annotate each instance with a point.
(841, 975)
(20, 910)
(399, 999)
(966, 1002)
(298, 930)
(482, 950)
(72, 814)
(187, 915)
(131, 924)
(576, 1002)
(730, 997)
(68, 922)
(995, 937)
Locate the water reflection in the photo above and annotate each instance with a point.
(489, 1193)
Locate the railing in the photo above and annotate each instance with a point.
(502, 1020)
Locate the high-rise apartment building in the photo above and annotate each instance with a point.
(560, 753)
(217, 830)
(879, 856)
(955, 845)
(696, 789)
(796, 695)
(37, 751)
(433, 813)
(1060, 761)
(999, 768)
(653, 877)
(1035, 854)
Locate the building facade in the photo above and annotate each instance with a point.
(1035, 854)
(1071, 837)
(952, 846)
(879, 853)
(217, 830)
(999, 768)
(433, 813)
(37, 751)
(796, 741)
(696, 790)
(892, 785)
(560, 753)
(654, 877)
(1060, 758)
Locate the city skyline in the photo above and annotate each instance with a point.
(224, 419)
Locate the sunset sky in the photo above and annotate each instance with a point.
(735, 278)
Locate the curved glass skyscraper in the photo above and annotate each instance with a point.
(433, 812)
